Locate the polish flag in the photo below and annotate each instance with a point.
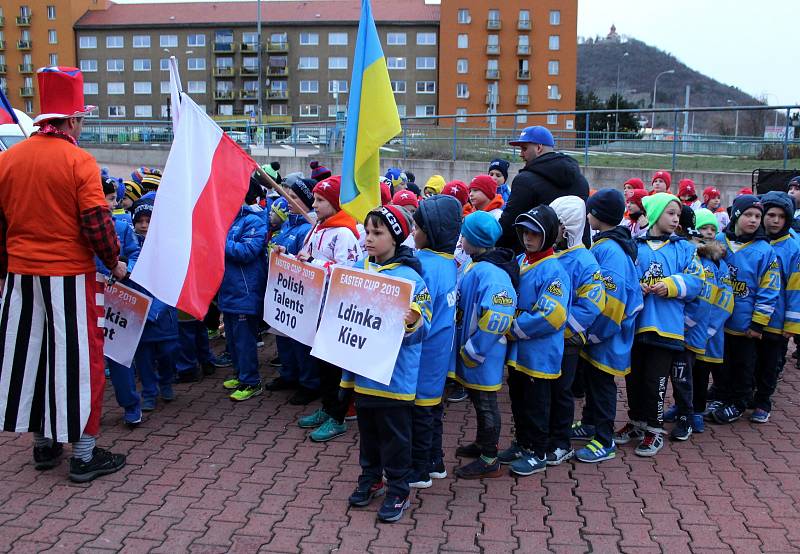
(202, 189)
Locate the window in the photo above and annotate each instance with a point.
(552, 119)
(53, 59)
(141, 65)
(250, 63)
(463, 16)
(492, 44)
(427, 110)
(168, 41)
(52, 36)
(308, 63)
(463, 41)
(523, 45)
(427, 62)
(337, 39)
(279, 109)
(141, 41)
(554, 42)
(337, 63)
(142, 87)
(524, 19)
(522, 118)
(494, 17)
(460, 113)
(309, 110)
(333, 110)
(250, 38)
(88, 66)
(491, 65)
(29, 108)
(462, 90)
(90, 88)
(115, 88)
(399, 87)
(250, 86)
(196, 64)
(164, 111)
(396, 39)
(396, 63)
(223, 63)
(278, 86)
(143, 111)
(462, 65)
(552, 92)
(116, 111)
(522, 90)
(555, 17)
(223, 37)
(309, 87)
(309, 39)
(197, 87)
(115, 65)
(337, 86)
(426, 87)
(278, 38)
(225, 109)
(426, 39)
(164, 87)
(250, 109)
(51, 12)
(196, 40)
(552, 67)
(401, 110)
(87, 42)
(163, 64)
(115, 41)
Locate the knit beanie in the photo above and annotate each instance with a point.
(484, 184)
(607, 205)
(280, 207)
(120, 190)
(636, 198)
(133, 191)
(319, 172)
(396, 176)
(635, 182)
(743, 203)
(138, 174)
(664, 176)
(703, 217)
(655, 204)
(142, 208)
(109, 186)
(413, 187)
(303, 190)
(329, 189)
(396, 219)
(794, 182)
(686, 188)
(686, 220)
(711, 192)
(541, 220)
(255, 190)
(437, 183)
(501, 166)
(405, 198)
(458, 190)
(744, 190)
(411, 177)
(271, 169)
(386, 191)
(481, 229)
(150, 182)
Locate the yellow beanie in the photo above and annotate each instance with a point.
(436, 183)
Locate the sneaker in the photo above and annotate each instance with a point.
(190, 376)
(103, 462)
(314, 420)
(231, 384)
(457, 393)
(478, 469)
(558, 456)
(363, 495)
(726, 414)
(208, 367)
(351, 414)
(528, 464)
(513, 452)
(682, 429)
(420, 480)
(471, 450)
(438, 471)
(47, 457)
(698, 424)
(711, 407)
(148, 404)
(630, 432)
(328, 430)
(279, 383)
(167, 394)
(595, 452)
(223, 360)
(303, 396)
(132, 416)
(759, 416)
(246, 392)
(392, 508)
(650, 445)
(581, 432)
(274, 362)
(671, 413)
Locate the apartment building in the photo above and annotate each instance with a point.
(33, 34)
(506, 57)
(306, 50)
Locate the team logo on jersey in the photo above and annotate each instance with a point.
(739, 287)
(556, 288)
(607, 280)
(653, 275)
(424, 296)
(503, 299)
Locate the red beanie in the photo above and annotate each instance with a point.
(485, 184)
(636, 198)
(635, 182)
(329, 189)
(711, 192)
(686, 188)
(405, 198)
(744, 190)
(665, 176)
(459, 190)
(386, 192)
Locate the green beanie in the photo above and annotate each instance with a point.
(703, 217)
(655, 204)
(269, 170)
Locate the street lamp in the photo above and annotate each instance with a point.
(655, 84)
(616, 114)
(736, 130)
(259, 91)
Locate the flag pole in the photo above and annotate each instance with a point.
(282, 191)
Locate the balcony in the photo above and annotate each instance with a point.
(524, 75)
(250, 47)
(523, 100)
(224, 47)
(493, 74)
(278, 71)
(24, 20)
(493, 24)
(278, 95)
(224, 95)
(524, 25)
(492, 99)
(2, 45)
(493, 49)
(523, 49)
(26, 68)
(3, 69)
(2, 21)
(246, 71)
(224, 72)
(26, 92)
(278, 47)
(23, 45)
(248, 94)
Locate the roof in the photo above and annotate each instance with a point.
(217, 14)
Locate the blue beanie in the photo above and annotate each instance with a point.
(607, 205)
(481, 229)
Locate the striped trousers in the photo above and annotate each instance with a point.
(51, 355)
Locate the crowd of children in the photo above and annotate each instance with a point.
(671, 289)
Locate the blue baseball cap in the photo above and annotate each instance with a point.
(535, 135)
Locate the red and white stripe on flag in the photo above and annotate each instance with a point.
(202, 188)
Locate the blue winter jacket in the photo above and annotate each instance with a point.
(128, 246)
(245, 279)
(292, 233)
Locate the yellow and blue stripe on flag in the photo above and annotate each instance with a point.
(372, 120)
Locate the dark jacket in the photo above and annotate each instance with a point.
(550, 176)
(440, 218)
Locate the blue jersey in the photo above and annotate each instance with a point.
(538, 330)
(292, 234)
(403, 385)
(588, 295)
(786, 316)
(485, 309)
(438, 356)
(719, 309)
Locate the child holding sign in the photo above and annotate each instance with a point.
(385, 412)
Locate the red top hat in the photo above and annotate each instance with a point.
(61, 93)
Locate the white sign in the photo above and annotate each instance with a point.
(776, 132)
(125, 318)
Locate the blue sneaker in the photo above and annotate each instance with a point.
(581, 432)
(167, 394)
(393, 508)
(364, 494)
(726, 414)
(314, 420)
(595, 452)
(671, 414)
(528, 464)
(148, 404)
(759, 416)
(328, 430)
(698, 423)
(223, 360)
(132, 416)
(513, 452)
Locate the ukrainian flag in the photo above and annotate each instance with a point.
(372, 120)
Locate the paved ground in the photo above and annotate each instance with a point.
(207, 475)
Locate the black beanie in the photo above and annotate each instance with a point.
(501, 166)
(254, 191)
(411, 177)
(607, 205)
(303, 189)
(743, 203)
(687, 220)
(109, 186)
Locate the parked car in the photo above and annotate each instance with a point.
(11, 134)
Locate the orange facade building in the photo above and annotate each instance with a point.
(33, 34)
(506, 57)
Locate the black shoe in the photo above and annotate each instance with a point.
(468, 451)
(208, 368)
(191, 376)
(279, 383)
(103, 462)
(682, 429)
(304, 396)
(47, 457)
(479, 469)
(275, 362)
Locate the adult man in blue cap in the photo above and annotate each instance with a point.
(547, 175)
